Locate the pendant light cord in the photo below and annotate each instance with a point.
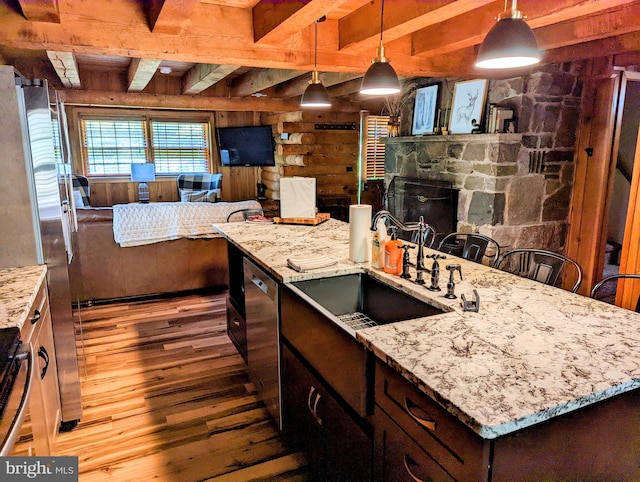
(381, 22)
(315, 49)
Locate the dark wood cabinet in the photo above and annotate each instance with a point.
(399, 458)
(414, 435)
(315, 421)
(236, 316)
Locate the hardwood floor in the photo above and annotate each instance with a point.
(167, 397)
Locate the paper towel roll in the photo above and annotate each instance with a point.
(360, 233)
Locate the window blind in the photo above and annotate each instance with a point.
(376, 126)
(112, 145)
(180, 146)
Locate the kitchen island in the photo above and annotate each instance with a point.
(532, 353)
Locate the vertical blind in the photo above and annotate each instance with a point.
(110, 146)
(376, 126)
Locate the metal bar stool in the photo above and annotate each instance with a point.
(472, 246)
(544, 266)
(598, 288)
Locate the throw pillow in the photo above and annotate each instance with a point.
(210, 196)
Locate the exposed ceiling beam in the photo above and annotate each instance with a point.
(66, 67)
(361, 30)
(182, 102)
(470, 28)
(600, 48)
(346, 88)
(169, 16)
(275, 22)
(261, 79)
(40, 10)
(297, 86)
(140, 73)
(203, 76)
(606, 24)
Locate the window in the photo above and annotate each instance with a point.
(376, 129)
(180, 146)
(111, 145)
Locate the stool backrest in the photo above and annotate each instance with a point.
(472, 246)
(598, 289)
(540, 265)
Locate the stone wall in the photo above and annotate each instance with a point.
(515, 188)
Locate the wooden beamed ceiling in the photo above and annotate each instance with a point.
(241, 48)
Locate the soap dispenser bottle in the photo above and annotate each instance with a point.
(393, 254)
(378, 240)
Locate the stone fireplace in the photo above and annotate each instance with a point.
(515, 188)
(514, 194)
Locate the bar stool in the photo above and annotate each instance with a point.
(598, 288)
(544, 266)
(472, 246)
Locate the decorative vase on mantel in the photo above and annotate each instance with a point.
(393, 126)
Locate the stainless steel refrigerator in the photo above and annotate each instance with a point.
(34, 214)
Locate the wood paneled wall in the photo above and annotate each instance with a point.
(238, 183)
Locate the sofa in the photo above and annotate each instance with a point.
(101, 269)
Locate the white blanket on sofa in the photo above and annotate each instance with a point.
(138, 224)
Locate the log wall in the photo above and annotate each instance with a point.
(304, 148)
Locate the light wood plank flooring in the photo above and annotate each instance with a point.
(167, 397)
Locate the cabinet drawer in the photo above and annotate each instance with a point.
(37, 314)
(237, 329)
(399, 458)
(463, 453)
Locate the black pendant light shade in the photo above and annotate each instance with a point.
(380, 78)
(315, 95)
(510, 43)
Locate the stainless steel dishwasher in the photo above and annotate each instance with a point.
(263, 335)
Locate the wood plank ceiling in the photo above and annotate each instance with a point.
(266, 47)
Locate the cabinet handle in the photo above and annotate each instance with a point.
(409, 461)
(314, 409)
(409, 406)
(42, 353)
(36, 317)
(235, 321)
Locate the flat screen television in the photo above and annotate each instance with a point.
(246, 146)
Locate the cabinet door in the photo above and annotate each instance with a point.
(339, 449)
(301, 427)
(399, 458)
(44, 403)
(48, 373)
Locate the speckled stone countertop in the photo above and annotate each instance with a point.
(532, 352)
(18, 290)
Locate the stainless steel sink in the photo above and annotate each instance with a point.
(360, 301)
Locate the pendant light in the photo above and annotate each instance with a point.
(380, 78)
(316, 94)
(510, 43)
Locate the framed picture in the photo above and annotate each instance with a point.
(424, 110)
(468, 104)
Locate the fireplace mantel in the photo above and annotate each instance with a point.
(454, 138)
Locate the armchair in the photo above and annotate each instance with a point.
(199, 187)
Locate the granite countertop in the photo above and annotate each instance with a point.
(18, 290)
(532, 352)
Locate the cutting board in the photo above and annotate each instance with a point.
(320, 218)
